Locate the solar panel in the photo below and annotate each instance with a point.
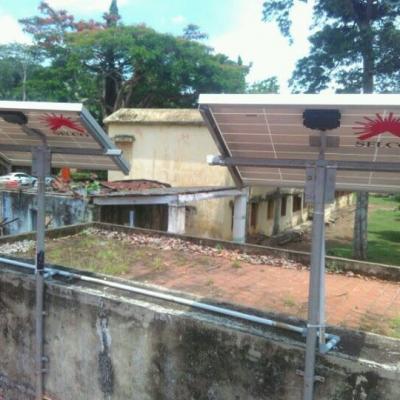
(271, 127)
(75, 139)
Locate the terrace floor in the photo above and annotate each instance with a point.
(260, 282)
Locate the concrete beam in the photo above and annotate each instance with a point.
(134, 200)
(166, 198)
(215, 194)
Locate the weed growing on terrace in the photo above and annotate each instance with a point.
(395, 327)
(158, 263)
(289, 301)
(236, 264)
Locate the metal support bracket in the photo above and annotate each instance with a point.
(41, 159)
(330, 183)
(331, 141)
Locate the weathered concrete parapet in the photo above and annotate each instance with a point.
(107, 344)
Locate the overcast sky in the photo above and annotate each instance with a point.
(235, 27)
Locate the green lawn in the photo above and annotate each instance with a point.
(383, 233)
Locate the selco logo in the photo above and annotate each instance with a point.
(63, 126)
(370, 128)
(387, 145)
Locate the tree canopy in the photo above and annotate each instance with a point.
(137, 66)
(269, 85)
(354, 45)
(109, 65)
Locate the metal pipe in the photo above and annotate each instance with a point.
(333, 341)
(167, 297)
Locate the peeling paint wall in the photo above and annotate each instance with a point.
(107, 345)
(60, 211)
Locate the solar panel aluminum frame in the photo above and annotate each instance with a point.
(106, 146)
(92, 126)
(239, 147)
(216, 134)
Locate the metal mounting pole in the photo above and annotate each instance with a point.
(319, 190)
(317, 272)
(41, 167)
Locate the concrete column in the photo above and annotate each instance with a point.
(176, 218)
(277, 212)
(239, 218)
(132, 218)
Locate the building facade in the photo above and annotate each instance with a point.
(171, 146)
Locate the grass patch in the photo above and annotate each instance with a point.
(100, 254)
(394, 324)
(383, 233)
(92, 253)
(381, 325)
(219, 247)
(158, 263)
(236, 264)
(370, 322)
(289, 301)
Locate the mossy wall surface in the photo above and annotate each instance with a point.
(106, 344)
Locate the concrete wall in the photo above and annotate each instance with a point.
(60, 210)
(109, 345)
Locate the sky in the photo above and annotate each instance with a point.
(235, 27)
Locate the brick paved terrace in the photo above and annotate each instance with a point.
(261, 282)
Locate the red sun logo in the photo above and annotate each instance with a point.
(374, 127)
(56, 122)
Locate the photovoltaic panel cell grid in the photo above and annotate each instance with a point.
(271, 127)
(65, 126)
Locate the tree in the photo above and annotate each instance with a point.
(112, 65)
(18, 64)
(137, 66)
(112, 17)
(354, 47)
(192, 32)
(269, 85)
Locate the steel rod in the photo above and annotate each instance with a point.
(301, 164)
